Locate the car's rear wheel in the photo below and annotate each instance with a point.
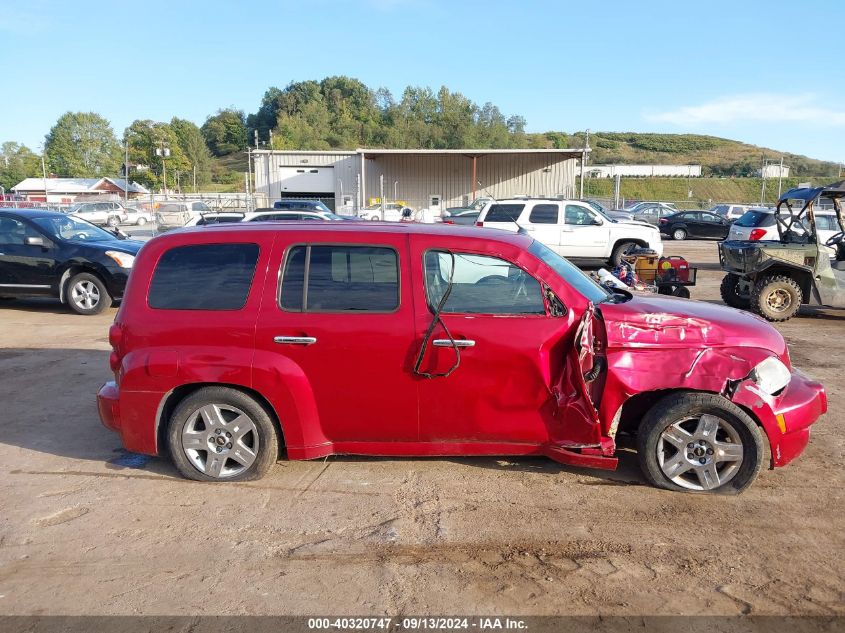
(776, 297)
(620, 250)
(679, 234)
(87, 294)
(141, 221)
(222, 434)
(699, 442)
(735, 291)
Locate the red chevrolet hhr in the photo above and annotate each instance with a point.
(235, 343)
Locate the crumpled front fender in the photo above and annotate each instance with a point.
(637, 370)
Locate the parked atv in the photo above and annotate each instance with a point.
(774, 278)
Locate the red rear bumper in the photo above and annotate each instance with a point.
(787, 417)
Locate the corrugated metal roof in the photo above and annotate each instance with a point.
(75, 185)
(63, 185)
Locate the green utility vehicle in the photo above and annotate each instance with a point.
(774, 278)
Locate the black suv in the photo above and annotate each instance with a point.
(43, 253)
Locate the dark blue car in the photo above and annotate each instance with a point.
(44, 253)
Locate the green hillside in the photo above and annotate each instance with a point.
(717, 156)
(705, 191)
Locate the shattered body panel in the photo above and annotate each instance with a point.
(661, 344)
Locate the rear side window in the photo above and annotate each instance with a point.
(504, 212)
(340, 278)
(204, 277)
(544, 214)
(756, 219)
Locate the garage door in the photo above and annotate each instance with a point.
(306, 179)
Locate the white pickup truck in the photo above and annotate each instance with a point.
(571, 228)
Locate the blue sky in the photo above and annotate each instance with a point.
(748, 70)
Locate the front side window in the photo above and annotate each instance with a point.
(340, 278)
(544, 214)
(480, 285)
(580, 216)
(204, 277)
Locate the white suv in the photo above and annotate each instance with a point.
(571, 228)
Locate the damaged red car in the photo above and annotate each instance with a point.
(238, 344)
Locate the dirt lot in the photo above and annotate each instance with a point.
(88, 529)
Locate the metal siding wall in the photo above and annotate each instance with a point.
(450, 176)
(345, 166)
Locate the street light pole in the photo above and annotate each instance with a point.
(126, 171)
(44, 174)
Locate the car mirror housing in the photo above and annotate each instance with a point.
(35, 241)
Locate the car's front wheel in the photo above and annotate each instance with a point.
(620, 250)
(699, 442)
(679, 234)
(735, 291)
(87, 294)
(141, 221)
(222, 434)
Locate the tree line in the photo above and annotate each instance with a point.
(335, 113)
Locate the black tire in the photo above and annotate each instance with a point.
(619, 250)
(264, 430)
(689, 406)
(776, 298)
(679, 234)
(113, 221)
(731, 294)
(93, 300)
(680, 291)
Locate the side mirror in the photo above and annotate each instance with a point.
(596, 222)
(34, 241)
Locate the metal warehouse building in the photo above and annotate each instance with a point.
(420, 178)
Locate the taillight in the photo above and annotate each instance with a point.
(114, 361)
(757, 234)
(479, 224)
(664, 221)
(115, 336)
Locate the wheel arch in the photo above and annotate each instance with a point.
(172, 398)
(803, 277)
(631, 413)
(74, 268)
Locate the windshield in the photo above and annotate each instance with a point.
(73, 229)
(569, 273)
(331, 216)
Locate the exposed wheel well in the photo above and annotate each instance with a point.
(636, 407)
(633, 240)
(172, 400)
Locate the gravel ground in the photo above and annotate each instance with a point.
(88, 529)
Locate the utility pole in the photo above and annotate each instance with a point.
(381, 195)
(248, 174)
(163, 151)
(763, 185)
(271, 139)
(44, 174)
(780, 176)
(126, 171)
(584, 161)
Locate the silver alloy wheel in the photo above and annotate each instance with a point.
(141, 221)
(220, 440)
(679, 234)
(85, 294)
(700, 453)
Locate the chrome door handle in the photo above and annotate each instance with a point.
(295, 340)
(444, 342)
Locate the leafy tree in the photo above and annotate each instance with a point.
(16, 163)
(192, 144)
(225, 132)
(144, 138)
(82, 144)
